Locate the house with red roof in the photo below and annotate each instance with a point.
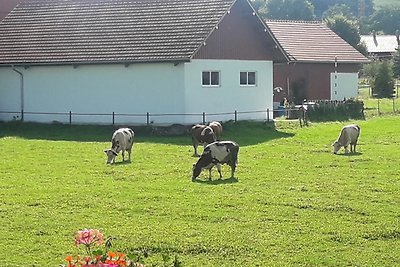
(173, 60)
(320, 66)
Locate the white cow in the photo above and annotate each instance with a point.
(348, 136)
(122, 140)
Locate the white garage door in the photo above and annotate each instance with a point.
(344, 86)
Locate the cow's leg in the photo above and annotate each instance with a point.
(129, 153)
(219, 170)
(123, 155)
(209, 173)
(233, 168)
(346, 149)
(195, 145)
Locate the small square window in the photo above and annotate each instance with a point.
(210, 78)
(247, 78)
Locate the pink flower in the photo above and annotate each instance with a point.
(88, 237)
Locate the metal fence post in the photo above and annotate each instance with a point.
(235, 115)
(267, 114)
(113, 118)
(147, 118)
(70, 117)
(379, 110)
(22, 115)
(394, 108)
(204, 118)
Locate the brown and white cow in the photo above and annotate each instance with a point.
(217, 128)
(216, 154)
(202, 134)
(122, 140)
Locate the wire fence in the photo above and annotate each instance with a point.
(146, 118)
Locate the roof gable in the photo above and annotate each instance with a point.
(313, 42)
(94, 31)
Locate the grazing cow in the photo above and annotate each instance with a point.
(122, 140)
(348, 136)
(217, 128)
(202, 134)
(303, 115)
(217, 153)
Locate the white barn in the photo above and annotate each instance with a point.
(134, 62)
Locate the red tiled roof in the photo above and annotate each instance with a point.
(98, 31)
(313, 42)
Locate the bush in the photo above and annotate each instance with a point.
(336, 110)
(383, 85)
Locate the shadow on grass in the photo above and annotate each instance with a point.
(355, 154)
(231, 180)
(243, 132)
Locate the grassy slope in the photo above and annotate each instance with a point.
(294, 203)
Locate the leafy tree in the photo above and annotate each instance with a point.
(383, 84)
(338, 9)
(345, 28)
(358, 8)
(260, 6)
(386, 19)
(290, 10)
(396, 64)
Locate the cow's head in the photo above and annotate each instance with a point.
(196, 171)
(111, 154)
(336, 147)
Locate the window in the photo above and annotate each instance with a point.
(248, 78)
(210, 78)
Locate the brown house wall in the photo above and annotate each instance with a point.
(240, 35)
(313, 77)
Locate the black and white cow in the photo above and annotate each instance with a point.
(202, 134)
(216, 154)
(122, 140)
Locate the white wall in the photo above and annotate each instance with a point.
(136, 89)
(229, 96)
(344, 85)
(10, 94)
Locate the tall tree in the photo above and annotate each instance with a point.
(290, 10)
(386, 19)
(358, 8)
(345, 28)
(383, 84)
(396, 64)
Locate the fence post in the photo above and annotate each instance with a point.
(235, 115)
(70, 117)
(394, 108)
(22, 115)
(267, 114)
(147, 118)
(379, 110)
(204, 118)
(113, 118)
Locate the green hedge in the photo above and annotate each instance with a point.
(336, 110)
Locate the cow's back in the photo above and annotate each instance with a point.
(124, 138)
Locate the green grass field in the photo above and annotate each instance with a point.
(293, 203)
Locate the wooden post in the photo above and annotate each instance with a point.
(267, 114)
(70, 117)
(147, 118)
(22, 115)
(379, 110)
(394, 108)
(113, 118)
(235, 115)
(204, 118)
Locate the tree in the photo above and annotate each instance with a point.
(386, 19)
(383, 84)
(396, 64)
(345, 28)
(338, 9)
(290, 10)
(358, 8)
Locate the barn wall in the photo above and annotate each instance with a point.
(229, 96)
(139, 88)
(314, 76)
